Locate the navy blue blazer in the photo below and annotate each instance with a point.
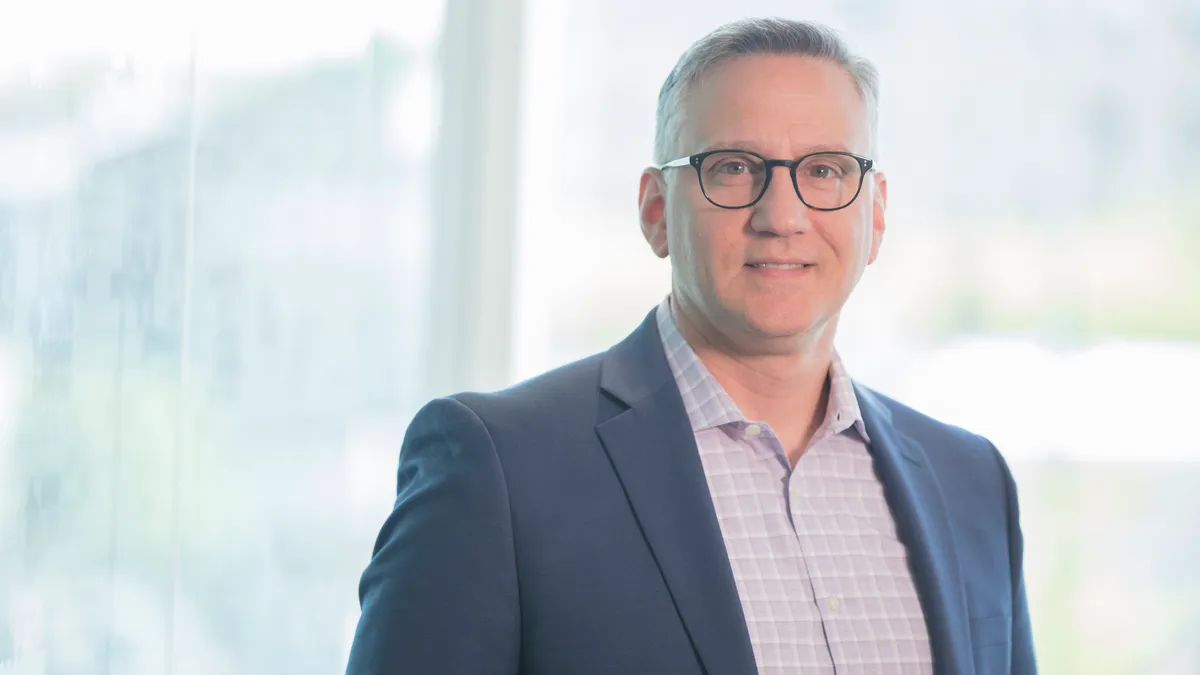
(564, 527)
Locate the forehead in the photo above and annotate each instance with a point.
(778, 103)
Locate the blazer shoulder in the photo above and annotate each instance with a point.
(566, 395)
(933, 432)
(971, 470)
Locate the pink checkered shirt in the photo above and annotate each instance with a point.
(823, 580)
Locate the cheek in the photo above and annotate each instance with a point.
(695, 238)
(723, 250)
(686, 249)
(851, 239)
(707, 245)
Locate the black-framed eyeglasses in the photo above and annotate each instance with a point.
(738, 179)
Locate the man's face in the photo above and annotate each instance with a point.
(781, 107)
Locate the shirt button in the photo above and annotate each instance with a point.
(753, 430)
(835, 603)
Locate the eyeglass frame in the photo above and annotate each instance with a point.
(864, 163)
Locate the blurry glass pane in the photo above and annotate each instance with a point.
(212, 251)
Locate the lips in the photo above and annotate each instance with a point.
(778, 265)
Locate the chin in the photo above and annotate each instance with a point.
(780, 324)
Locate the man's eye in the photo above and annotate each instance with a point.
(823, 171)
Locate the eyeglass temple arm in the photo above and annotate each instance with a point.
(682, 161)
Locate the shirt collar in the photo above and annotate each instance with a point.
(707, 403)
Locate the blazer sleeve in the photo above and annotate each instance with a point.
(440, 592)
(1023, 660)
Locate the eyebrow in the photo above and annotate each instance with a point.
(751, 146)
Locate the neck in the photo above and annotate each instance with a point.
(788, 389)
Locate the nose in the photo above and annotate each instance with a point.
(780, 211)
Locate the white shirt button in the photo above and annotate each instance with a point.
(835, 603)
(753, 430)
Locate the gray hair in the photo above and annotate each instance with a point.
(758, 36)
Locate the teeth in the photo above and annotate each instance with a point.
(780, 266)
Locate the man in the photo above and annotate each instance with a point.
(713, 494)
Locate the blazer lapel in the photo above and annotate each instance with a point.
(650, 442)
(917, 504)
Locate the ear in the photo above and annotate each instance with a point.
(652, 207)
(878, 222)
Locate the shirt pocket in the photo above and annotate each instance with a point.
(991, 644)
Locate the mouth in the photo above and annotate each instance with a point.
(778, 265)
